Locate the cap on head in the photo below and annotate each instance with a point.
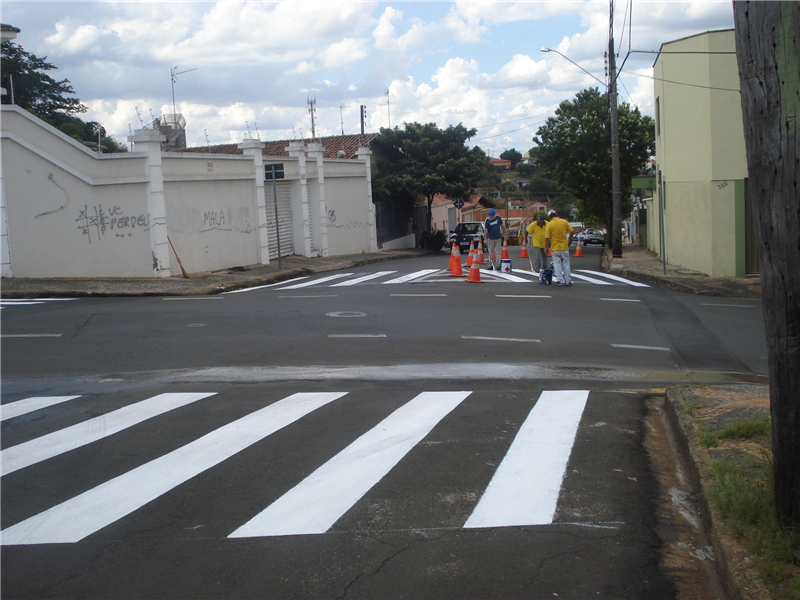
(552, 213)
(491, 212)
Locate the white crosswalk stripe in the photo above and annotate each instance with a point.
(523, 491)
(28, 405)
(28, 301)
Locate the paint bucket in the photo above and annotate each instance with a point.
(505, 265)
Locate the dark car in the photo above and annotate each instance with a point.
(466, 233)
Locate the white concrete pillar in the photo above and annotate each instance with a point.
(298, 150)
(5, 246)
(364, 154)
(253, 148)
(316, 151)
(148, 141)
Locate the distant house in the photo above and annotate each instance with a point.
(500, 162)
(699, 216)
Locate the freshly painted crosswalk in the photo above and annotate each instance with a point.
(524, 490)
(443, 275)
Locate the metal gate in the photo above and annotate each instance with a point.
(284, 219)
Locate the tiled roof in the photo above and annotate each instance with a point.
(333, 144)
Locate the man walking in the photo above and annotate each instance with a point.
(495, 230)
(537, 230)
(556, 234)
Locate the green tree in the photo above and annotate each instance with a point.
(50, 100)
(513, 155)
(575, 150)
(423, 160)
(33, 88)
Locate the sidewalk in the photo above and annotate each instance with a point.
(719, 405)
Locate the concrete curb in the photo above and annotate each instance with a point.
(740, 581)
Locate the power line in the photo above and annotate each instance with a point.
(705, 87)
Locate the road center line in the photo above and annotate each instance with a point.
(497, 339)
(356, 335)
(81, 434)
(619, 300)
(518, 296)
(73, 520)
(640, 347)
(525, 487)
(195, 298)
(31, 335)
(731, 305)
(313, 506)
(419, 295)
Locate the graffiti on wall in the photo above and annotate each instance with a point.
(97, 222)
(235, 219)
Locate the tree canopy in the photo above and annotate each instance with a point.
(575, 150)
(514, 155)
(423, 160)
(25, 77)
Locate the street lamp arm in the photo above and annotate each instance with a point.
(604, 84)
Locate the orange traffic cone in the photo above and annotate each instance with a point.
(524, 253)
(455, 255)
(479, 253)
(471, 257)
(578, 251)
(550, 251)
(504, 253)
(474, 274)
(455, 266)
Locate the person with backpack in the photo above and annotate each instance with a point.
(556, 239)
(495, 230)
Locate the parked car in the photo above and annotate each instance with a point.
(466, 233)
(589, 237)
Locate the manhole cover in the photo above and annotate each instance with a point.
(346, 314)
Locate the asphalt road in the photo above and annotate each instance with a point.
(372, 435)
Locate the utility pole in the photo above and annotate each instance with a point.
(616, 193)
(361, 139)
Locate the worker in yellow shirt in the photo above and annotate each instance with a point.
(536, 231)
(556, 234)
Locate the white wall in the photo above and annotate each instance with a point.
(73, 213)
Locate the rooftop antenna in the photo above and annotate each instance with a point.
(131, 130)
(258, 133)
(247, 124)
(208, 145)
(312, 107)
(388, 109)
(140, 117)
(294, 134)
(341, 116)
(153, 117)
(174, 76)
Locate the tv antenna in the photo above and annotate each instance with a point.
(341, 116)
(140, 117)
(174, 76)
(388, 109)
(312, 107)
(247, 124)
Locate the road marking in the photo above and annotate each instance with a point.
(615, 278)
(619, 300)
(31, 335)
(81, 434)
(641, 347)
(261, 287)
(314, 505)
(524, 489)
(516, 296)
(83, 515)
(509, 277)
(28, 405)
(357, 335)
(419, 295)
(11, 301)
(589, 279)
(363, 278)
(313, 296)
(195, 298)
(732, 305)
(316, 281)
(412, 276)
(497, 339)
(5, 303)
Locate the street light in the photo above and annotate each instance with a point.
(574, 63)
(616, 201)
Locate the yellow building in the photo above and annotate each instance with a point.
(699, 217)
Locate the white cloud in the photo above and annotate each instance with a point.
(346, 51)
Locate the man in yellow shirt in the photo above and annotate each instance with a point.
(537, 234)
(556, 234)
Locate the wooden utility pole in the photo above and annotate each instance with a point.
(616, 192)
(768, 52)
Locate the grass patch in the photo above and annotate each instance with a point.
(690, 407)
(706, 437)
(746, 500)
(746, 429)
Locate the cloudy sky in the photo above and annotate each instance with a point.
(256, 64)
